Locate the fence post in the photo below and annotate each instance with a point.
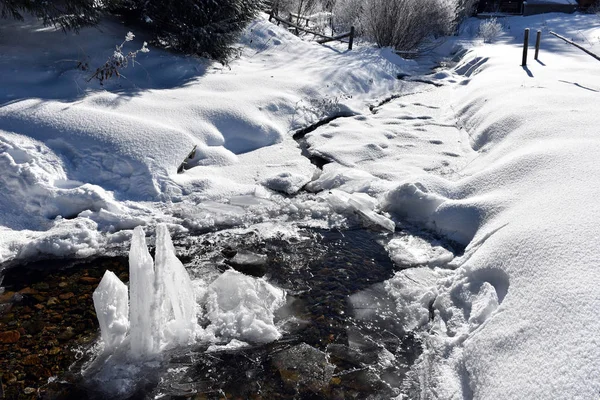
(537, 44)
(525, 45)
(271, 15)
(351, 40)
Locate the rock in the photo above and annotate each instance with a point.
(364, 380)
(54, 351)
(66, 296)
(5, 308)
(6, 297)
(29, 390)
(349, 357)
(31, 359)
(34, 326)
(28, 290)
(9, 337)
(39, 298)
(88, 280)
(63, 284)
(67, 334)
(304, 367)
(40, 306)
(42, 286)
(56, 318)
(52, 301)
(10, 378)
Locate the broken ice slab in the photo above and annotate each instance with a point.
(241, 307)
(361, 204)
(112, 309)
(163, 302)
(409, 251)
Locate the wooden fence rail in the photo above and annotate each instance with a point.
(324, 38)
(576, 45)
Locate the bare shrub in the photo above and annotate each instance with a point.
(117, 61)
(489, 30)
(347, 13)
(404, 24)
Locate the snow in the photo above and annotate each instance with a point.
(499, 159)
(515, 319)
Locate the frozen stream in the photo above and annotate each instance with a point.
(329, 347)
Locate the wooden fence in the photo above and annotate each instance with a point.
(538, 41)
(322, 38)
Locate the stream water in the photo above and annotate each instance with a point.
(330, 347)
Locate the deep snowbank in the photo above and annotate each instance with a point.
(516, 319)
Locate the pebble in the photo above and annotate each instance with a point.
(28, 290)
(31, 359)
(66, 296)
(9, 337)
(6, 297)
(88, 280)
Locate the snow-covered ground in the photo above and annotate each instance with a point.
(79, 158)
(496, 157)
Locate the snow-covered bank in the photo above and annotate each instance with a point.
(516, 318)
(105, 158)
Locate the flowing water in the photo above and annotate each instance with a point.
(330, 347)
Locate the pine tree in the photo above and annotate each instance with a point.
(67, 14)
(202, 27)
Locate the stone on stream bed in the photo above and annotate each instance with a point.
(304, 368)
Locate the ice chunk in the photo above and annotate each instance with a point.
(174, 291)
(244, 257)
(143, 302)
(410, 251)
(112, 308)
(243, 307)
(234, 344)
(286, 182)
(412, 202)
(361, 204)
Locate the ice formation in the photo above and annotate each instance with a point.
(242, 307)
(110, 302)
(141, 285)
(162, 309)
(173, 292)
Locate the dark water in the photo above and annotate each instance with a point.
(328, 349)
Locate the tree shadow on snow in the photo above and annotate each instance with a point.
(46, 63)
